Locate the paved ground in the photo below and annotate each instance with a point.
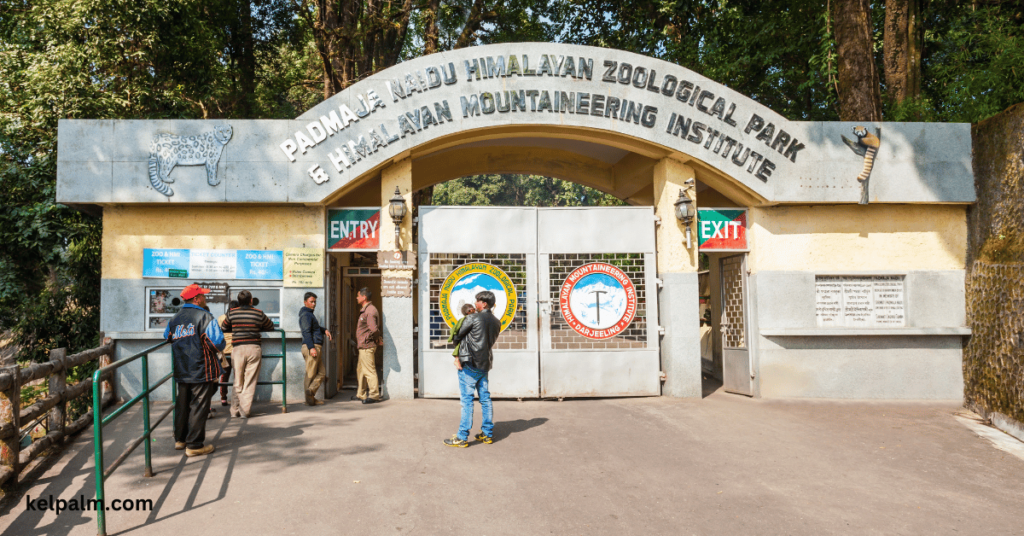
(722, 465)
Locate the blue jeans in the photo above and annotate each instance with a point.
(470, 380)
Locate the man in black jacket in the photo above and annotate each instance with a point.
(195, 339)
(475, 339)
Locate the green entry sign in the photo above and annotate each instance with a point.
(353, 229)
(722, 229)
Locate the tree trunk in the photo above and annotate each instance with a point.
(902, 50)
(477, 16)
(858, 84)
(247, 60)
(430, 39)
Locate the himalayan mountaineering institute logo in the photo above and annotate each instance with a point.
(463, 284)
(598, 300)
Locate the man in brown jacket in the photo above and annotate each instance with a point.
(367, 340)
(245, 324)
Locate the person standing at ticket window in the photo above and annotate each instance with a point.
(312, 344)
(195, 340)
(225, 361)
(367, 341)
(245, 322)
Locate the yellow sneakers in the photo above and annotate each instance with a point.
(199, 452)
(484, 438)
(456, 442)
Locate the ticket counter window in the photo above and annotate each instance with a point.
(164, 302)
(269, 301)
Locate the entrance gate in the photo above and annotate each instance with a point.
(576, 292)
(736, 371)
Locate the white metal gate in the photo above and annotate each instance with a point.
(736, 371)
(563, 268)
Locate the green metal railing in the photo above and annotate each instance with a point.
(284, 374)
(99, 421)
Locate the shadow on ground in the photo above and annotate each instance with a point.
(504, 429)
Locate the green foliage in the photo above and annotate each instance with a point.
(976, 68)
(776, 52)
(105, 59)
(519, 191)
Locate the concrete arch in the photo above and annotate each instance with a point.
(623, 167)
(435, 103)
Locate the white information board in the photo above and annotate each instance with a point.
(860, 301)
(212, 264)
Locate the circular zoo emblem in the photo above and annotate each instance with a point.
(462, 286)
(598, 300)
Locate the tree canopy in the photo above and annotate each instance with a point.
(921, 60)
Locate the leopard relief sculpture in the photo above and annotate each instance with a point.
(169, 150)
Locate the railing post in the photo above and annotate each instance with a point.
(284, 374)
(174, 393)
(97, 446)
(58, 383)
(10, 411)
(109, 385)
(145, 416)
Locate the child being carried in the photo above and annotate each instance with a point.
(467, 310)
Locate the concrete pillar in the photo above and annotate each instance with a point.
(679, 298)
(397, 312)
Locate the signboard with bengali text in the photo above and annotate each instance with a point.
(875, 301)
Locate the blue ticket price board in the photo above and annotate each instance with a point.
(165, 263)
(259, 264)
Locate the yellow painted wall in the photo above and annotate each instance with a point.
(670, 177)
(129, 229)
(855, 237)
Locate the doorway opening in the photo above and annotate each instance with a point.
(353, 271)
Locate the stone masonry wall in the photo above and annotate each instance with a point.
(994, 356)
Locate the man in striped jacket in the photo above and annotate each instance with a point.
(245, 323)
(195, 339)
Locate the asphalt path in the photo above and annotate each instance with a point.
(722, 465)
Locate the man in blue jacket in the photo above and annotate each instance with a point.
(312, 346)
(195, 338)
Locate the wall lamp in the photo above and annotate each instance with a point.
(397, 209)
(685, 211)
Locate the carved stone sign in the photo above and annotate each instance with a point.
(395, 287)
(860, 301)
(396, 260)
(169, 150)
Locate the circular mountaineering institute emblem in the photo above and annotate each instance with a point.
(463, 284)
(598, 300)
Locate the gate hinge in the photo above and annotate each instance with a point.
(661, 330)
(657, 220)
(662, 376)
(415, 329)
(659, 282)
